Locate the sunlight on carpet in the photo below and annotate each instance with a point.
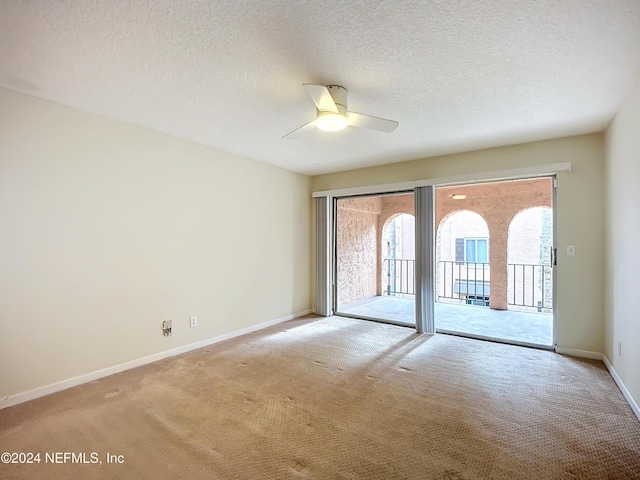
(330, 398)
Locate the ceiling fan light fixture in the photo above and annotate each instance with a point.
(331, 122)
(332, 113)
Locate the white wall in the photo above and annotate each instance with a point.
(622, 310)
(107, 229)
(580, 217)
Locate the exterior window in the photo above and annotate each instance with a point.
(472, 250)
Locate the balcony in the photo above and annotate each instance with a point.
(463, 295)
(510, 298)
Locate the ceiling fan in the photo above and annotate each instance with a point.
(332, 113)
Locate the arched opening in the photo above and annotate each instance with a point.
(462, 259)
(529, 274)
(398, 255)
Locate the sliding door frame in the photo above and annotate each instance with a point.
(330, 264)
(554, 184)
(554, 259)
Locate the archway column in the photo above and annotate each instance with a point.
(498, 265)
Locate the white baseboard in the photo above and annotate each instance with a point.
(105, 372)
(616, 378)
(621, 386)
(574, 352)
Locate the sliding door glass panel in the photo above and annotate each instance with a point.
(494, 275)
(375, 257)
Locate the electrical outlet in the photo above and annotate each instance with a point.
(194, 322)
(166, 328)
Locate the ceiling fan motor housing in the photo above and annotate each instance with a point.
(339, 95)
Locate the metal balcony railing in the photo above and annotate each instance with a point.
(530, 285)
(464, 281)
(399, 274)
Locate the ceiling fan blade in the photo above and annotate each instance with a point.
(373, 123)
(321, 97)
(300, 130)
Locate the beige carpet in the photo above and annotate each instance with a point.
(338, 398)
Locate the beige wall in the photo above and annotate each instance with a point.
(622, 242)
(580, 217)
(108, 229)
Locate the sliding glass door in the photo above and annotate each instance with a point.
(473, 260)
(494, 271)
(375, 257)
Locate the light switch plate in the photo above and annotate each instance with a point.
(571, 250)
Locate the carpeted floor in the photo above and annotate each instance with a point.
(337, 398)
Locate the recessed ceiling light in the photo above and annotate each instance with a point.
(458, 196)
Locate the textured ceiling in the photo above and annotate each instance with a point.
(457, 74)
